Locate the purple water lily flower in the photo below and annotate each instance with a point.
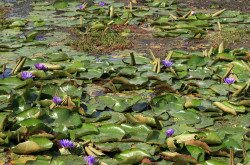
(229, 80)
(167, 63)
(90, 160)
(82, 6)
(65, 143)
(40, 38)
(26, 75)
(169, 132)
(102, 3)
(40, 66)
(57, 100)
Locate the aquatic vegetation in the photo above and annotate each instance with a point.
(40, 66)
(65, 143)
(26, 75)
(40, 38)
(82, 6)
(167, 63)
(170, 132)
(102, 3)
(229, 80)
(57, 100)
(61, 105)
(99, 41)
(3, 21)
(90, 160)
(229, 35)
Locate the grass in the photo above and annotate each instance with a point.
(98, 41)
(229, 35)
(3, 22)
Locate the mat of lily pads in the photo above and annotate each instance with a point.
(62, 106)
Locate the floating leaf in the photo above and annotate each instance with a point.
(132, 156)
(33, 145)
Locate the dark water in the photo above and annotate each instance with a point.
(20, 8)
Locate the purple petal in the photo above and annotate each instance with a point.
(102, 3)
(90, 160)
(26, 75)
(167, 63)
(65, 143)
(40, 66)
(81, 7)
(229, 80)
(170, 132)
(57, 100)
(40, 38)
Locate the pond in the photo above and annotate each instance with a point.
(123, 82)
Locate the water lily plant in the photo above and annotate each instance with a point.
(26, 75)
(90, 160)
(65, 143)
(102, 3)
(170, 132)
(57, 100)
(82, 6)
(40, 38)
(167, 63)
(40, 66)
(229, 81)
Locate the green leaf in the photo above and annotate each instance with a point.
(215, 162)
(161, 104)
(33, 145)
(187, 116)
(3, 120)
(60, 4)
(108, 133)
(196, 152)
(136, 133)
(132, 156)
(210, 137)
(92, 74)
(139, 81)
(30, 113)
(86, 129)
(195, 61)
(65, 117)
(13, 82)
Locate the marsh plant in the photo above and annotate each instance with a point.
(229, 35)
(98, 41)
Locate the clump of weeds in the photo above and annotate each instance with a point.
(98, 41)
(230, 35)
(3, 21)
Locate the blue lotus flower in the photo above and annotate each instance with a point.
(167, 63)
(169, 132)
(26, 75)
(6, 73)
(65, 143)
(229, 80)
(102, 3)
(40, 38)
(90, 160)
(57, 100)
(82, 6)
(40, 66)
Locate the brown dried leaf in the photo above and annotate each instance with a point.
(198, 143)
(174, 156)
(146, 161)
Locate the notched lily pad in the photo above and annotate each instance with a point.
(132, 156)
(33, 145)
